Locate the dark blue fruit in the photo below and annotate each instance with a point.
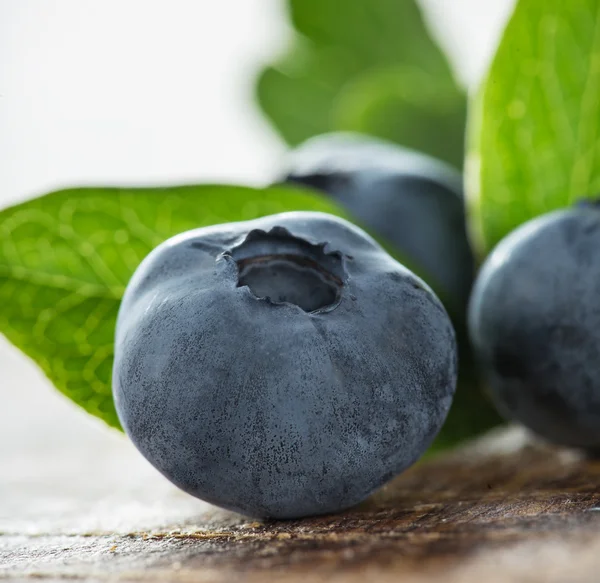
(407, 199)
(535, 324)
(281, 367)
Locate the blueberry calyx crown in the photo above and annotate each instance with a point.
(281, 268)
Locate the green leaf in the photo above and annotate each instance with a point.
(432, 115)
(534, 129)
(369, 67)
(379, 31)
(66, 258)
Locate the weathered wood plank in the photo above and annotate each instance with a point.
(503, 509)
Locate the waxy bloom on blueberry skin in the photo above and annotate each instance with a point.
(535, 324)
(281, 367)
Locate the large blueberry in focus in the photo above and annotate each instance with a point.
(407, 199)
(281, 367)
(534, 320)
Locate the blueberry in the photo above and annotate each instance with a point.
(281, 367)
(409, 200)
(534, 320)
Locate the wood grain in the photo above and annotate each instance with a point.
(502, 509)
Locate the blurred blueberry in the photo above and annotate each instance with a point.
(406, 199)
(534, 320)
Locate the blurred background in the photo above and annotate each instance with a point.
(144, 92)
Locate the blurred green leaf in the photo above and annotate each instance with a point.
(380, 31)
(406, 102)
(534, 128)
(365, 66)
(66, 258)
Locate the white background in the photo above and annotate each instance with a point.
(144, 91)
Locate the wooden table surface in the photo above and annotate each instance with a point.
(500, 510)
(77, 502)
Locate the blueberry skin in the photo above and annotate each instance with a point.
(534, 320)
(261, 407)
(410, 200)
